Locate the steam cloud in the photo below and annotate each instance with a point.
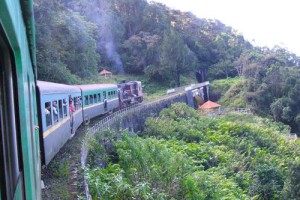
(100, 12)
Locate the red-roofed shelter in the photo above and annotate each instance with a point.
(209, 105)
(105, 73)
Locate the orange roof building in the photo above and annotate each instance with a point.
(209, 105)
(105, 73)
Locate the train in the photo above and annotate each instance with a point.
(20, 165)
(63, 108)
(36, 117)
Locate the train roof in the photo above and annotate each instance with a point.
(56, 88)
(129, 83)
(93, 87)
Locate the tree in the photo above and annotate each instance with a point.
(66, 48)
(291, 188)
(140, 51)
(175, 57)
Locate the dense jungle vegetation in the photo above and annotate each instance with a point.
(182, 154)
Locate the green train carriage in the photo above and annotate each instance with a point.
(19, 141)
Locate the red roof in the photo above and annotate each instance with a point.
(209, 105)
(103, 72)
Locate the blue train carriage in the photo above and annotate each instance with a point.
(60, 115)
(130, 93)
(98, 99)
(19, 139)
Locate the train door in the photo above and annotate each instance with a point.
(104, 101)
(11, 167)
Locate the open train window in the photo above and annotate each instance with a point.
(65, 111)
(86, 100)
(55, 111)
(91, 99)
(95, 98)
(48, 114)
(79, 101)
(99, 98)
(75, 103)
(60, 109)
(104, 95)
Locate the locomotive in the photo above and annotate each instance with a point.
(63, 108)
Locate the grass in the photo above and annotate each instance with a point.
(229, 92)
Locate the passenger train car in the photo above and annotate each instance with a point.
(19, 136)
(63, 108)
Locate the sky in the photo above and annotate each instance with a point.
(261, 22)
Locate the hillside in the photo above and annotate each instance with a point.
(184, 155)
(75, 39)
(163, 47)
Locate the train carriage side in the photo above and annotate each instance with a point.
(58, 121)
(98, 99)
(19, 138)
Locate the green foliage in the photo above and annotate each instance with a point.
(133, 37)
(146, 170)
(184, 155)
(270, 83)
(61, 190)
(66, 48)
(223, 90)
(61, 169)
(97, 153)
(291, 186)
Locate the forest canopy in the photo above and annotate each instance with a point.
(78, 38)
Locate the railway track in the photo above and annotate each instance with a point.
(62, 178)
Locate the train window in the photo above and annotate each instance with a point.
(55, 111)
(60, 109)
(99, 98)
(95, 98)
(48, 114)
(91, 99)
(75, 103)
(104, 95)
(79, 100)
(86, 100)
(65, 113)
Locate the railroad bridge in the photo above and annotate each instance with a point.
(134, 117)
